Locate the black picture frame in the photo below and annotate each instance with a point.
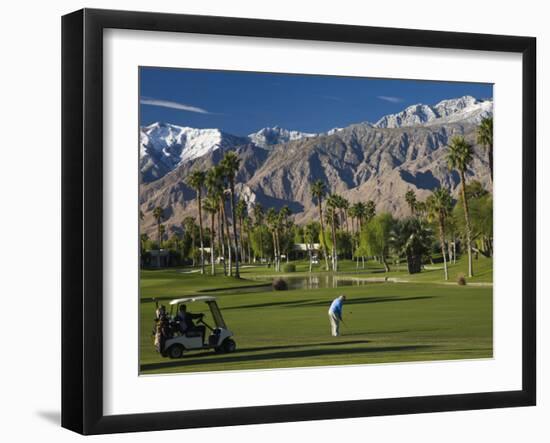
(82, 215)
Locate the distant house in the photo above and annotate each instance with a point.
(158, 259)
(302, 250)
(305, 247)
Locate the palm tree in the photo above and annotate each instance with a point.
(411, 237)
(259, 216)
(318, 191)
(272, 221)
(157, 213)
(211, 207)
(214, 184)
(189, 225)
(309, 239)
(370, 210)
(247, 225)
(143, 239)
(196, 181)
(362, 212)
(285, 225)
(333, 203)
(241, 213)
(459, 157)
(162, 230)
(352, 212)
(230, 164)
(439, 206)
(344, 206)
(421, 209)
(485, 138)
(410, 198)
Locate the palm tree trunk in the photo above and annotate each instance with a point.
(160, 240)
(229, 253)
(248, 246)
(274, 250)
(193, 248)
(261, 244)
(212, 237)
(200, 232)
(241, 247)
(468, 229)
(222, 238)
(442, 239)
(360, 227)
(323, 239)
(334, 259)
(278, 250)
(309, 246)
(346, 218)
(234, 219)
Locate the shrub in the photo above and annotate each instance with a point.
(279, 285)
(289, 267)
(461, 280)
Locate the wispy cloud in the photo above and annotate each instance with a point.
(390, 99)
(332, 98)
(172, 105)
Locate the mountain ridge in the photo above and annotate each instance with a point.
(361, 162)
(164, 146)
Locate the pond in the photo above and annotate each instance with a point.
(314, 281)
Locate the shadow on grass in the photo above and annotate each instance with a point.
(274, 303)
(236, 358)
(347, 334)
(317, 302)
(306, 345)
(365, 300)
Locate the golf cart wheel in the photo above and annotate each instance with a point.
(175, 351)
(229, 345)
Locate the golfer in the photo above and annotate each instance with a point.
(335, 315)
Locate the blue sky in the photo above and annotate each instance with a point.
(243, 102)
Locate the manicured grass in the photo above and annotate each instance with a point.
(483, 271)
(385, 322)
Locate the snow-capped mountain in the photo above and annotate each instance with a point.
(266, 137)
(333, 131)
(164, 146)
(467, 108)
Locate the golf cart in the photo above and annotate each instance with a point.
(175, 343)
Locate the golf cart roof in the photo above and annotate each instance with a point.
(204, 298)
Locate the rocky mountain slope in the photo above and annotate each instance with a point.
(361, 162)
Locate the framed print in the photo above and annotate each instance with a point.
(293, 221)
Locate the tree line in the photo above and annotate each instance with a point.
(237, 231)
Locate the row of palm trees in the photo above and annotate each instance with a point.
(337, 212)
(219, 183)
(215, 186)
(437, 208)
(439, 205)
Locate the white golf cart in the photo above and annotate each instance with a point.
(217, 337)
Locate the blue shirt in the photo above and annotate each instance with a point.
(336, 307)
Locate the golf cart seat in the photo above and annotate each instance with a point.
(193, 333)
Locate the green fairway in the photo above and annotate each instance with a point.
(417, 320)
